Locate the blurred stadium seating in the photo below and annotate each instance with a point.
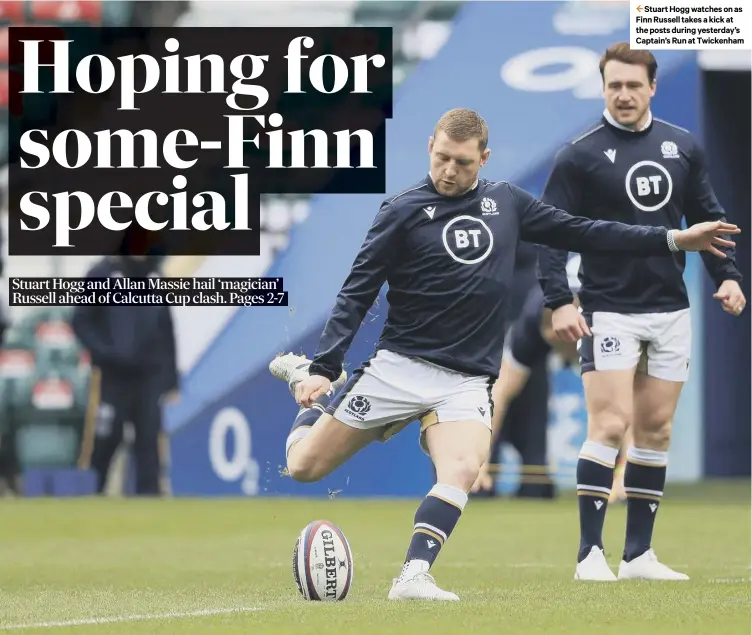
(44, 378)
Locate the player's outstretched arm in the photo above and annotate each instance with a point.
(547, 225)
(358, 293)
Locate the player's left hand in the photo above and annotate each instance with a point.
(705, 237)
(731, 297)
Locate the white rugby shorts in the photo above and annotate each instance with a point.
(657, 344)
(392, 390)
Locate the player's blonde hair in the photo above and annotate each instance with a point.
(621, 52)
(463, 124)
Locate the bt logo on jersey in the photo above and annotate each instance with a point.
(468, 240)
(463, 237)
(649, 186)
(644, 184)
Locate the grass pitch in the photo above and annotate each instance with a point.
(110, 567)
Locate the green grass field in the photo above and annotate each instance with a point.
(224, 566)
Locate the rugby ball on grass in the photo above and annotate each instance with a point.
(322, 562)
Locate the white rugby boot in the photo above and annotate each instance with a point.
(292, 369)
(594, 568)
(647, 567)
(416, 583)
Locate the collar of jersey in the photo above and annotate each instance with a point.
(469, 193)
(608, 118)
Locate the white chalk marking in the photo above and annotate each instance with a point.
(93, 621)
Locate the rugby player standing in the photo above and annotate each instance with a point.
(633, 322)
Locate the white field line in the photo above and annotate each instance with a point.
(117, 619)
(537, 565)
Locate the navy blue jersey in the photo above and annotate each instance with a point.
(656, 176)
(449, 263)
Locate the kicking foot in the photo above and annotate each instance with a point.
(418, 585)
(293, 369)
(647, 567)
(594, 568)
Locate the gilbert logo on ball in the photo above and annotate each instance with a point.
(322, 562)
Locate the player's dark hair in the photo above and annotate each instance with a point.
(622, 53)
(462, 124)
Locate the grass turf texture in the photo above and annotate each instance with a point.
(511, 562)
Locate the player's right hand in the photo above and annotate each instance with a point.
(310, 389)
(568, 323)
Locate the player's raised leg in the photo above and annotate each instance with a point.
(458, 449)
(656, 395)
(317, 443)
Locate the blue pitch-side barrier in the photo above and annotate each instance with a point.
(532, 71)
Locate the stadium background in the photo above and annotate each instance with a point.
(531, 69)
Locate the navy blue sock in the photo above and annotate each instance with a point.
(305, 420)
(595, 476)
(435, 520)
(644, 479)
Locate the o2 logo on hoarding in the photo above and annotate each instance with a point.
(240, 465)
(578, 71)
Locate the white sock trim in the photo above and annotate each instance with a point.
(639, 490)
(593, 488)
(436, 530)
(599, 453)
(295, 436)
(451, 494)
(651, 457)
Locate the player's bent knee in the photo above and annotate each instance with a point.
(304, 472)
(304, 467)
